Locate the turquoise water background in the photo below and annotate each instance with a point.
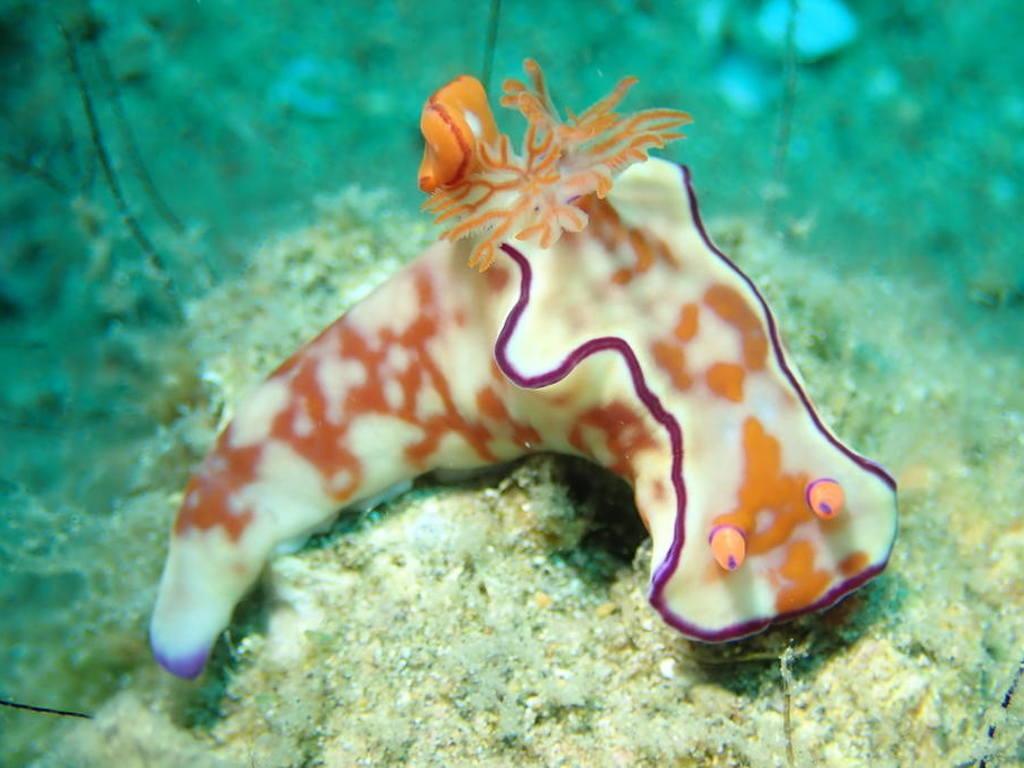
(903, 153)
(890, 142)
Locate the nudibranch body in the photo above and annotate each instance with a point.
(631, 341)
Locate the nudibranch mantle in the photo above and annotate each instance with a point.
(633, 342)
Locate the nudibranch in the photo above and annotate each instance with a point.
(603, 323)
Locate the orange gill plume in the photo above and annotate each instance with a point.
(478, 184)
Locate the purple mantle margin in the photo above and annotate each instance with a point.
(675, 434)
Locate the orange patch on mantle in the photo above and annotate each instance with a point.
(766, 490)
(731, 307)
(806, 583)
(726, 380)
(671, 359)
(853, 563)
(688, 325)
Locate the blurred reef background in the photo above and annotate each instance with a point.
(191, 189)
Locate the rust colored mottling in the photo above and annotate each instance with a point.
(806, 584)
(491, 406)
(213, 490)
(731, 307)
(854, 563)
(671, 358)
(497, 278)
(606, 226)
(624, 436)
(415, 338)
(326, 445)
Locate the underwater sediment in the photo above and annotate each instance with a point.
(503, 620)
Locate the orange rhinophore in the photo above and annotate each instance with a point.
(480, 185)
(728, 545)
(455, 120)
(825, 497)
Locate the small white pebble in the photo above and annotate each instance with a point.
(667, 668)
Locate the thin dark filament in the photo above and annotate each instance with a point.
(145, 244)
(44, 710)
(1005, 704)
(491, 44)
(132, 146)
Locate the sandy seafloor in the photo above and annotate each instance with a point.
(499, 621)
